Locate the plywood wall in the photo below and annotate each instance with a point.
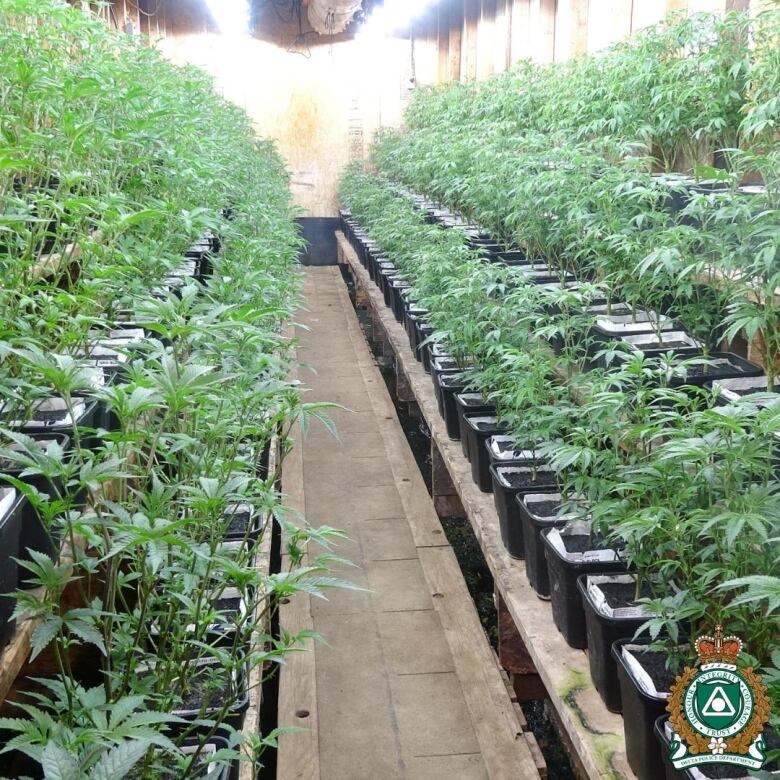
(321, 102)
(324, 99)
(482, 37)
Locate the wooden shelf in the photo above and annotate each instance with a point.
(592, 732)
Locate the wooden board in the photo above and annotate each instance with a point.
(262, 564)
(298, 754)
(595, 734)
(507, 750)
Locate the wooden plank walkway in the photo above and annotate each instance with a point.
(594, 735)
(407, 685)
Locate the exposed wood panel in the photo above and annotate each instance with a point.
(645, 14)
(443, 18)
(486, 39)
(321, 110)
(542, 30)
(471, 11)
(503, 57)
(608, 21)
(571, 29)
(520, 30)
(455, 48)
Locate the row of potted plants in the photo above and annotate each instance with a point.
(571, 454)
(148, 251)
(626, 201)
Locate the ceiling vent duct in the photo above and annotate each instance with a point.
(330, 17)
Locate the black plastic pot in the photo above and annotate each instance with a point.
(449, 386)
(424, 333)
(50, 415)
(442, 366)
(603, 630)
(244, 524)
(615, 322)
(11, 503)
(235, 716)
(510, 256)
(397, 286)
(563, 571)
(734, 389)
(506, 489)
(641, 709)
(479, 428)
(467, 403)
(414, 319)
(538, 511)
(33, 534)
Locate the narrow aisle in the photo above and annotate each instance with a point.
(389, 701)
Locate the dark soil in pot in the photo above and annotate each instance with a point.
(466, 403)
(167, 769)
(243, 523)
(509, 481)
(571, 552)
(479, 428)
(218, 686)
(645, 683)
(734, 389)
(449, 386)
(721, 365)
(610, 614)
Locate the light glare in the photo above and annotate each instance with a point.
(393, 15)
(231, 16)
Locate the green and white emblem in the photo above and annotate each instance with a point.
(718, 712)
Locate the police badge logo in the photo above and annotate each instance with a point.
(718, 712)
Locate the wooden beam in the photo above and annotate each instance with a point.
(520, 30)
(502, 59)
(486, 39)
(571, 29)
(542, 30)
(608, 21)
(443, 42)
(471, 11)
(455, 45)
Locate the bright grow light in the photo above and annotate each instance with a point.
(394, 15)
(231, 16)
